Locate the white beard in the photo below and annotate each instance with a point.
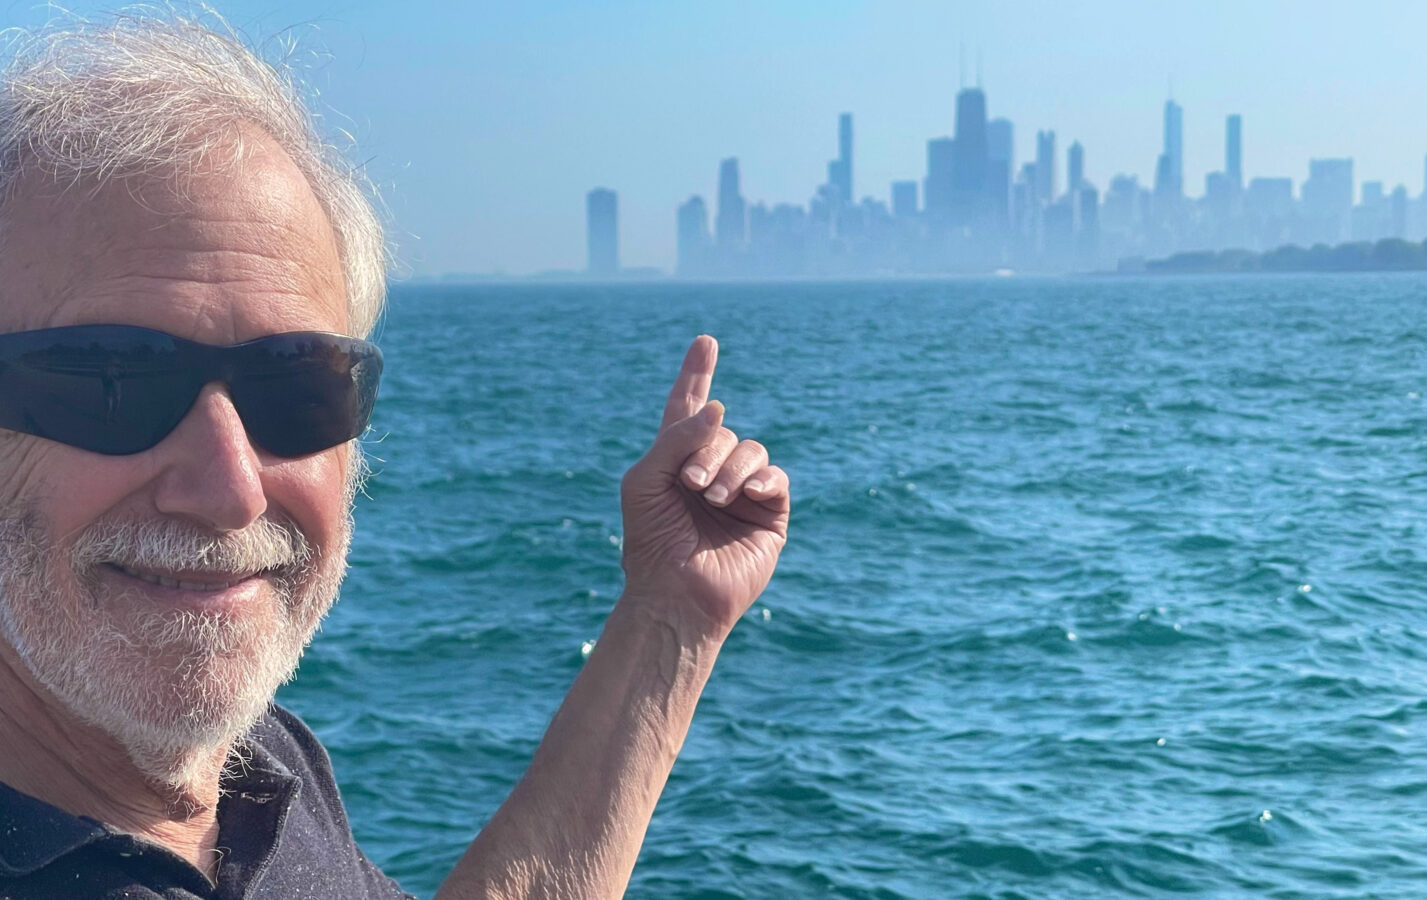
(175, 688)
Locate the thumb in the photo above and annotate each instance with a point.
(680, 439)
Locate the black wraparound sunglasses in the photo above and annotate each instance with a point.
(120, 389)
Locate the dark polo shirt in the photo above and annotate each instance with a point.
(281, 828)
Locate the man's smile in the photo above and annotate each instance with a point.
(190, 581)
(186, 581)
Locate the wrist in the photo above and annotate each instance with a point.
(677, 616)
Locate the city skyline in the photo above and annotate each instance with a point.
(975, 215)
(485, 124)
(1166, 176)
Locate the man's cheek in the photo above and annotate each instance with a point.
(313, 492)
(24, 461)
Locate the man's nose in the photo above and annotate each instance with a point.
(210, 472)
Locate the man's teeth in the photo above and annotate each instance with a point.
(161, 581)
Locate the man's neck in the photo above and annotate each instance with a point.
(48, 753)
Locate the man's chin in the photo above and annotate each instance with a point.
(199, 696)
(177, 692)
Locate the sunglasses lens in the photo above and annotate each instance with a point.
(301, 393)
(99, 388)
(119, 389)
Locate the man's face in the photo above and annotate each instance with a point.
(164, 596)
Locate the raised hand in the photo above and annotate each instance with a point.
(705, 514)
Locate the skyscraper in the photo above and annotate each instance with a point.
(693, 221)
(732, 223)
(1169, 173)
(1075, 170)
(937, 192)
(1123, 209)
(1328, 200)
(602, 231)
(1000, 163)
(968, 171)
(1270, 197)
(1045, 166)
(1233, 151)
(844, 156)
(904, 199)
(839, 171)
(1398, 216)
(1087, 219)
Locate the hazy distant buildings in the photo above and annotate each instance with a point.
(694, 243)
(939, 192)
(1174, 142)
(1379, 214)
(1327, 202)
(978, 212)
(1372, 217)
(970, 157)
(1219, 198)
(1398, 213)
(1075, 169)
(602, 232)
(1057, 247)
(1122, 217)
(1169, 172)
(839, 171)
(1270, 195)
(732, 222)
(1234, 151)
(1087, 227)
(776, 241)
(1045, 183)
(1000, 164)
(904, 199)
(1268, 212)
(1025, 210)
(1221, 223)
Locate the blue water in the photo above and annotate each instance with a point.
(1094, 588)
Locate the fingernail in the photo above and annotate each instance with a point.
(716, 494)
(753, 484)
(698, 475)
(713, 411)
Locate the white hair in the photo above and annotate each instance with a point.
(149, 92)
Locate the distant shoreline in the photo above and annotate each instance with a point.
(1388, 255)
(666, 281)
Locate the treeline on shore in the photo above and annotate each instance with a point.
(1390, 254)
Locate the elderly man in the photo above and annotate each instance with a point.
(181, 260)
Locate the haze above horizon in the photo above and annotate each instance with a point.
(485, 124)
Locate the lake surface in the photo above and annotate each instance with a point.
(1094, 588)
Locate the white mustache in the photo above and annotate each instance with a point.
(176, 546)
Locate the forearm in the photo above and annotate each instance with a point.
(574, 824)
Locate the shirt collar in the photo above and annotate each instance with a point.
(34, 833)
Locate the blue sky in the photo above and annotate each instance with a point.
(485, 123)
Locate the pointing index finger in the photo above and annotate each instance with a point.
(691, 388)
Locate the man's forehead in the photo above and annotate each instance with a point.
(222, 254)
